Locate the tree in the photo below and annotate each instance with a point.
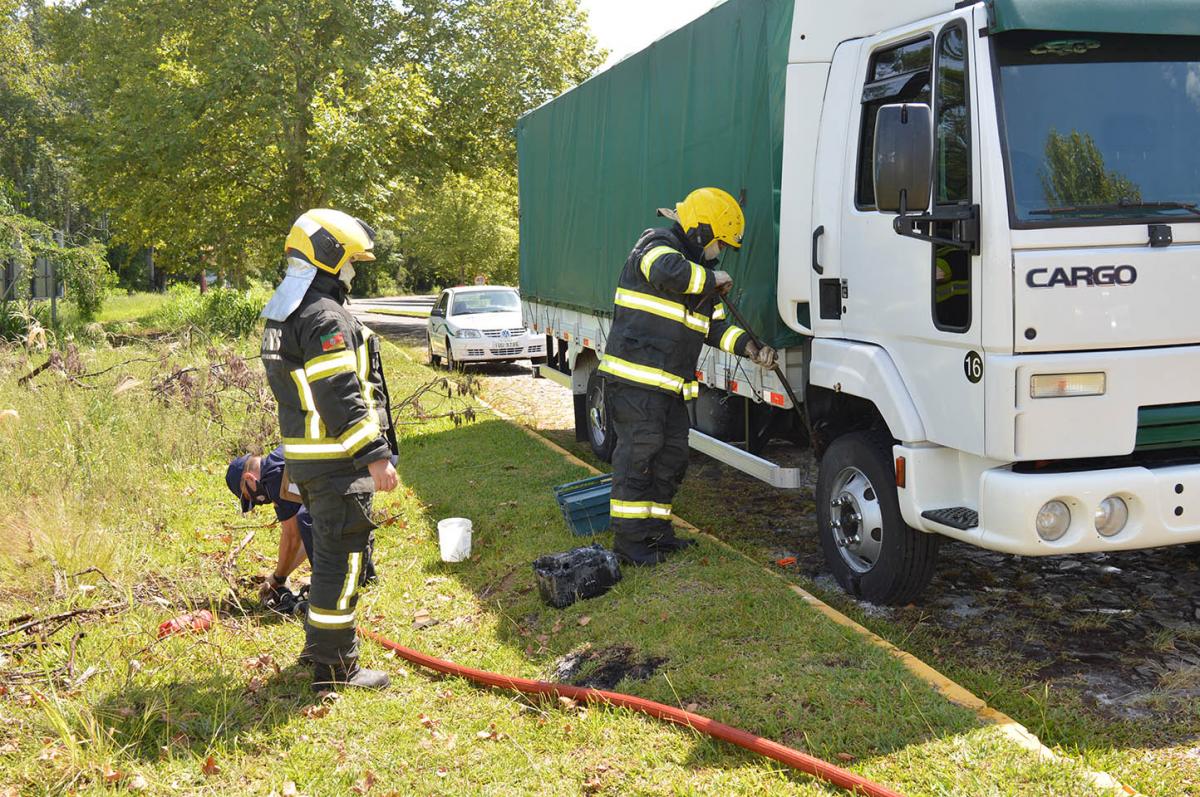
(37, 184)
(82, 268)
(211, 125)
(34, 172)
(489, 62)
(1075, 174)
(468, 227)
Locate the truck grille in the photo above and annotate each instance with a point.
(1168, 426)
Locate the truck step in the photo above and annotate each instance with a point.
(956, 517)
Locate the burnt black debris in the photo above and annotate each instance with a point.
(606, 667)
(564, 578)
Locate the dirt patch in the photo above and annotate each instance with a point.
(606, 667)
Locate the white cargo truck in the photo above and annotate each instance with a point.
(983, 232)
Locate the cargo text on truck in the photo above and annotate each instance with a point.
(972, 237)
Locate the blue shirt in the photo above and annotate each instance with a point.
(270, 481)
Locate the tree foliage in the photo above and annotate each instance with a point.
(489, 62)
(468, 227)
(1075, 174)
(208, 126)
(82, 268)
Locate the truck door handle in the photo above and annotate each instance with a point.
(816, 264)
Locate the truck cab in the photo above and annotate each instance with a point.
(973, 234)
(990, 237)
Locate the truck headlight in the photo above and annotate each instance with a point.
(1111, 516)
(1067, 385)
(1053, 520)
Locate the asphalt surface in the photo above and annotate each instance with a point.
(1123, 629)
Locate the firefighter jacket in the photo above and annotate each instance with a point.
(667, 308)
(324, 369)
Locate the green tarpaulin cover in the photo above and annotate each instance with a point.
(702, 106)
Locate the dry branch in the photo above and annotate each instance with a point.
(105, 609)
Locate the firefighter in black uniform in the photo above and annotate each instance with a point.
(324, 369)
(667, 307)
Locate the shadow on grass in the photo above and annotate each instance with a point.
(738, 645)
(195, 715)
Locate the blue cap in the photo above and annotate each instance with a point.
(233, 478)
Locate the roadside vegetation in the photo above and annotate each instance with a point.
(144, 142)
(113, 477)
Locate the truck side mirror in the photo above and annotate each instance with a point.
(903, 157)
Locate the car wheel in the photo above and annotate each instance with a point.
(451, 363)
(434, 359)
(872, 552)
(600, 434)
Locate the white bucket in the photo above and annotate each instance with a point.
(454, 537)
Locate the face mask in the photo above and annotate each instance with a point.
(346, 275)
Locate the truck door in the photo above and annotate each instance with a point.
(919, 301)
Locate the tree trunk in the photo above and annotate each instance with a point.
(299, 192)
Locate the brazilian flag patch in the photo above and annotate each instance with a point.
(333, 341)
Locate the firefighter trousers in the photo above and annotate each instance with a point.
(342, 530)
(649, 461)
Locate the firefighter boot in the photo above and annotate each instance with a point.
(670, 543)
(332, 676)
(637, 552)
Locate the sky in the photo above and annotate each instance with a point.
(626, 26)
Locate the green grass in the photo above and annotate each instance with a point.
(117, 308)
(134, 487)
(415, 313)
(1146, 755)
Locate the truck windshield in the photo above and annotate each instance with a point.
(1101, 127)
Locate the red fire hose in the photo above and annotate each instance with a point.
(756, 744)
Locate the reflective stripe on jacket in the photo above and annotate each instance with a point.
(666, 309)
(318, 364)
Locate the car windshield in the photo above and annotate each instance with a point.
(1101, 127)
(474, 302)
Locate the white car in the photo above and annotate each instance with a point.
(481, 324)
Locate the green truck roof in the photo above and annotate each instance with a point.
(1168, 17)
(701, 106)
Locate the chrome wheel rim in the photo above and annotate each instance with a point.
(596, 423)
(856, 519)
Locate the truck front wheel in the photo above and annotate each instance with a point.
(872, 552)
(599, 421)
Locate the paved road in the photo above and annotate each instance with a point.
(510, 386)
(1121, 629)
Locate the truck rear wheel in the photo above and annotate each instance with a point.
(599, 421)
(872, 552)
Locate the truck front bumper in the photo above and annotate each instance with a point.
(1164, 509)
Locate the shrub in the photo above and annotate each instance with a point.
(17, 320)
(220, 311)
